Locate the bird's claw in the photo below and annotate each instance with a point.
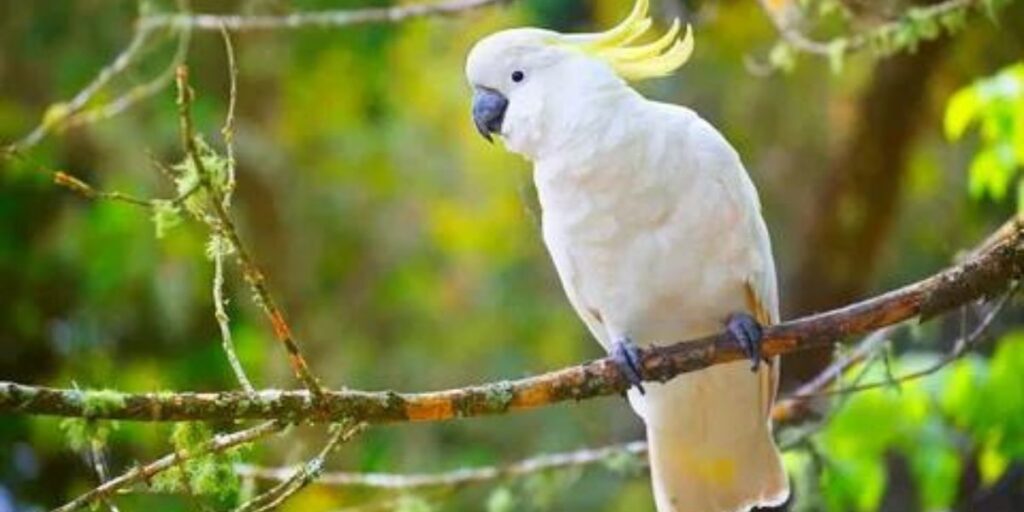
(626, 355)
(747, 333)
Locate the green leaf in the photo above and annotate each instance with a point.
(501, 500)
(936, 466)
(992, 464)
(990, 175)
(960, 111)
(954, 20)
(782, 57)
(854, 483)
(958, 399)
(837, 55)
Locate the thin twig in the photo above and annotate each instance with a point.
(79, 186)
(137, 93)
(228, 131)
(460, 477)
(76, 185)
(828, 48)
(72, 112)
(99, 464)
(219, 302)
(226, 227)
(961, 347)
(796, 403)
(58, 114)
(986, 275)
(321, 19)
(217, 444)
(224, 323)
(304, 475)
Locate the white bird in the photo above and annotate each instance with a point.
(656, 233)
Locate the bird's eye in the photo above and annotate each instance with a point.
(518, 76)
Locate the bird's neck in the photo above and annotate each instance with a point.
(570, 125)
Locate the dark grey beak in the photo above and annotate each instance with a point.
(488, 111)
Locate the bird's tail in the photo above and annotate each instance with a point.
(710, 440)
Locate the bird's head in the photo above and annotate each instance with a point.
(535, 87)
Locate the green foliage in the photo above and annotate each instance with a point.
(189, 181)
(542, 490)
(782, 56)
(996, 105)
(166, 215)
(211, 475)
(101, 401)
(218, 245)
(413, 503)
(86, 433)
(927, 422)
(390, 232)
(501, 499)
(837, 54)
(536, 492)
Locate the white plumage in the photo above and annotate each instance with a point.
(656, 232)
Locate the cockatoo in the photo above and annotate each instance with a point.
(656, 233)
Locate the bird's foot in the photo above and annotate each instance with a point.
(626, 355)
(747, 333)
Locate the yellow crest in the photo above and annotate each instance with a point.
(657, 58)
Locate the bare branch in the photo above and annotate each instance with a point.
(963, 344)
(460, 477)
(98, 456)
(228, 131)
(79, 186)
(796, 404)
(57, 114)
(73, 112)
(320, 19)
(224, 324)
(135, 94)
(303, 475)
(219, 302)
(985, 275)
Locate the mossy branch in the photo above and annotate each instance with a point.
(983, 275)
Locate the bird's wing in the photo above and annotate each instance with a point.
(761, 287)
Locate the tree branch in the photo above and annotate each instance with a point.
(636, 450)
(796, 38)
(225, 228)
(982, 276)
(305, 474)
(321, 19)
(219, 443)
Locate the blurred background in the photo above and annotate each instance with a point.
(406, 251)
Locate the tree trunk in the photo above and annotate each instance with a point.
(860, 197)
